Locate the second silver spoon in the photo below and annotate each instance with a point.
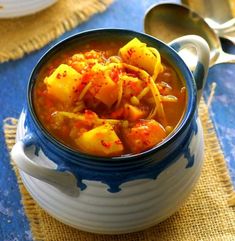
(169, 21)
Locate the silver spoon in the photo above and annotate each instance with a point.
(225, 30)
(218, 14)
(169, 21)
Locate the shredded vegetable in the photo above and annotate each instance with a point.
(84, 91)
(154, 89)
(158, 66)
(82, 117)
(120, 92)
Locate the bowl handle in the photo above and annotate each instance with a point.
(64, 181)
(203, 54)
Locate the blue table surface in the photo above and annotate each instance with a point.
(14, 76)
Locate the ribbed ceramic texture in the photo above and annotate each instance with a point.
(16, 8)
(139, 204)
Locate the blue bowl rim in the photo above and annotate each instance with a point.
(184, 123)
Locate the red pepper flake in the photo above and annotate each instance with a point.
(58, 76)
(75, 90)
(130, 52)
(118, 142)
(114, 74)
(65, 73)
(105, 144)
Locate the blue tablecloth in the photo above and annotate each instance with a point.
(13, 81)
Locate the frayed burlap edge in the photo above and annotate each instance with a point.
(10, 126)
(66, 24)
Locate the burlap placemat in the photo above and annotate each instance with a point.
(207, 215)
(25, 34)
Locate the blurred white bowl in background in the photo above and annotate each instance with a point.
(16, 8)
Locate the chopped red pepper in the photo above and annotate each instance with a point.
(58, 76)
(105, 144)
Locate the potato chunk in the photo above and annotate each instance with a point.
(138, 54)
(107, 93)
(103, 87)
(63, 82)
(100, 141)
(144, 135)
(131, 86)
(133, 113)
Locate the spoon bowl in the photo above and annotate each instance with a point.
(169, 21)
(218, 14)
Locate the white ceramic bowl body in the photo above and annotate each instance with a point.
(140, 203)
(16, 8)
(121, 194)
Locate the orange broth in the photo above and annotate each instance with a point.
(134, 132)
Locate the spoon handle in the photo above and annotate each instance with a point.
(228, 36)
(225, 27)
(225, 58)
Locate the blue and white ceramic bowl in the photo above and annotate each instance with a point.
(121, 194)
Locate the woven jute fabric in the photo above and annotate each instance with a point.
(26, 34)
(207, 215)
